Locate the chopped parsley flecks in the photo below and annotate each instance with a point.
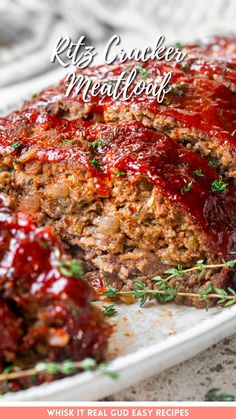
(15, 145)
(185, 66)
(167, 101)
(144, 72)
(177, 90)
(188, 187)
(67, 142)
(95, 144)
(179, 44)
(213, 163)
(95, 164)
(198, 172)
(219, 185)
(71, 268)
(121, 173)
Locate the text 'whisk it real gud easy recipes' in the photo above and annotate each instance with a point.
(128, 412)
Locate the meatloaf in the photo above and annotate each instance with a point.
(130, 200)
(133, 186)
(45, 306)
(199, 111)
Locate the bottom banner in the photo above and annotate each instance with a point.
(193, 412)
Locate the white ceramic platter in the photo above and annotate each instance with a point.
(146, 340)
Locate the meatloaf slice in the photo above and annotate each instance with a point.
(132, 200)
(45, 306)
(199, 111)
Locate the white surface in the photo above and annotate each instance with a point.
(190, 380)
(29, 28)
(147, 341)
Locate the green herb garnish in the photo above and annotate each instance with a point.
(15, 145)
(67, 141)
(109, 310)
(71, 268)
(164, 292)
(110, 292)
(213, 163)
(120, 173)
(179, 44)
(198, 172)
(176, 90)
(67, 367)
(213, 396)
(219, 185)
(95, 144)
(185, 66)
(95, 164)
(167, 101)
(103, 368)
(144, 72)
(188, 187)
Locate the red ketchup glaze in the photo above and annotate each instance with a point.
(134, 149)
(29, 263)
(11, 332)
(171, 168)
(39, 302)
(201, 102)
(215, 59)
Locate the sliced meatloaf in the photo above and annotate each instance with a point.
(199, 111)
(131, 200)
(45, 306)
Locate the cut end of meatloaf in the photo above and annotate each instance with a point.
(131, 200)
(45, 308)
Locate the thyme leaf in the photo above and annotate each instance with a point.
(213, 396)
(15, 145)
(109, 310)
(67, 367)
(67, 141)
(164, 293)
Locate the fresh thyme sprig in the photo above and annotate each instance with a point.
(213, 395)
(164, 293)
(200, 267)
(67, 367)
